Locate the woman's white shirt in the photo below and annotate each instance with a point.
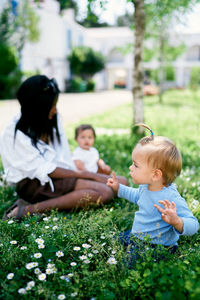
(23, 160)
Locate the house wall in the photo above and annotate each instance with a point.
(60, 33)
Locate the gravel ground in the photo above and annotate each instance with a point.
(73, 107)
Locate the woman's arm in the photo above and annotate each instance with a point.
(65, 173)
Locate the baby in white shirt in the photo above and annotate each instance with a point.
(85, 156)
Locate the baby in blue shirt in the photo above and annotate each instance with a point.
(163, 214)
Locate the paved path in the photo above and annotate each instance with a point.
(73, 107)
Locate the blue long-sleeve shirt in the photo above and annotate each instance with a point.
(148, 219)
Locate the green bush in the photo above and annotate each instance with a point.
(194, 78)
(90, 85)
(76, 85)
(10, 74)
(85, 62)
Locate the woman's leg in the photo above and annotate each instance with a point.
(85, 193)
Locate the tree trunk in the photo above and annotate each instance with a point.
(161, 71)
(139, 18)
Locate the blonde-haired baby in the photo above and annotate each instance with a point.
(163, 214)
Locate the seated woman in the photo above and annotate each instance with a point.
(36, 157)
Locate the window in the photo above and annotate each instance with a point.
(193, 54)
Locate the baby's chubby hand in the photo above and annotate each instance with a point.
(113, 183)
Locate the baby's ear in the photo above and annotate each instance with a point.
(157, 175)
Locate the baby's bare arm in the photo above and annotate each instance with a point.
(80, 165)
(113, 183)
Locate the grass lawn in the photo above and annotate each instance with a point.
(76, 255)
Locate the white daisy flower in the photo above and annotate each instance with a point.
(87, 261)
(55, 227)
(74, 294)
(59, 254)
(27, 225)
(86, 246)
(41, 246)
(113, 252)
(112, 261)
(23, 248)
(45, 219)
(102, 237)
(46, 227)
(31, 283)
(37, 255)
(95, 251)
(10, 276)
(54, 270)
(22, 291)
(39, 241)
(50, 266)
(103, 244)
(42, 276)
(70, 275)
(49, 271)
(195, 203)
(90, 240)
(62, 296)
(28, 288)
(73, 264)
(37, 271)
(13, 242)
(35, 264)
(55, 219)
(29, 266)
(76, 248)
(90, 254)
(10, 221)
(82, 257)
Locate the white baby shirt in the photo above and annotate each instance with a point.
(88, 157)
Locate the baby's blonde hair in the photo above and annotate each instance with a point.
(162, 154)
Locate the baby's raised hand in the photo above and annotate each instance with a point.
(169, 215)
(113, 183)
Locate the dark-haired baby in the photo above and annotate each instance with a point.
(163, 214)
(85, 156)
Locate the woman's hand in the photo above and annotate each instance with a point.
(169, 214)
(113, 183)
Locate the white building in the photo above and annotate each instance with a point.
(58, 34)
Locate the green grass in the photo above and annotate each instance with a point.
(176, 277)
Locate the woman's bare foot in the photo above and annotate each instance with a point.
(13, 213)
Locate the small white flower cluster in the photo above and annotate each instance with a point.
(195, 204)
(23, 248)
(31, 265)
(29, 286)
(67, 277)
(40, 243)
(51, 269)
